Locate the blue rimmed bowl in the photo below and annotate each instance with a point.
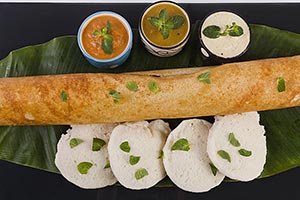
(112, 62)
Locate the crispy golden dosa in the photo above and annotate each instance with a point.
(89, 98)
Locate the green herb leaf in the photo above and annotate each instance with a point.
(134, 159)
(213, 168)
(64, 97)
(115, 95)
(153, 87)
(281, 85)
(98, 144)
(164, 32)
(84, 167)
(164, 24)
(141, 173)
(155, 22)
(108, 26)
(163, 15)
(107, 42)
(107, 45)
(175, 22)
(132, 86)
(124, 146)
(75, 142)
(235, 30)
(204, 77)
(212, 31)
(244, 152)
(181, 144)
(161, 155)
(223, 154)
(97, 33)
(107, 165)
(233, 140)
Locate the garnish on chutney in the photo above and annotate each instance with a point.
(164, 23)
(214, 31)
(107, 42)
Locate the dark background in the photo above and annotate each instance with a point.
(29, 24)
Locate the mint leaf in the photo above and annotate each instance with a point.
(64, 97)
(141, 173)
(98, 144)
(204, 77)
(75, 142)
(107, 42)
(235, 30)
(132, 86)
(175, 22)
(163, 15)
(107, 45)
(84, 167)
(124, 146)
(223, 154)
(155, 22)
(213, 169)
(115, 95)
(153, 87)
(97, 33)
(181, 144)
(108, 26)
(134, 159)
(233, 140)
(164, 32)
(164, 24)
(161, 155)
(212, 31)
(281, 85)
(107, 164)
(244, 152)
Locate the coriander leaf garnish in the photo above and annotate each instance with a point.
(75, 142)
(141, 173)
(223, 154)
(98, 144)
(244, 152)
(164, 23)
(181, 144)
(107, 41)
(84, 167)
(134, 159)
(132, 86)
(214, 31)
(153, 87)
(233, 140)
(161, 155)
(107, 164)
(63, 95)
(115, 95)
(214, 170)
(124, 146)
(281, 85)
(204, 77)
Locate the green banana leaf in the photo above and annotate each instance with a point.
(35, 146)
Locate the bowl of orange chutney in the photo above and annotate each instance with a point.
(105, 39)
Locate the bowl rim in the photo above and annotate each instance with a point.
(165, 47)
(101, 13)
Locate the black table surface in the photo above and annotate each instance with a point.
(29, 24)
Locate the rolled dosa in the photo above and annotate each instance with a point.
(102, 97)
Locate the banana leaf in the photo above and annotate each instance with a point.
(35, 146)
